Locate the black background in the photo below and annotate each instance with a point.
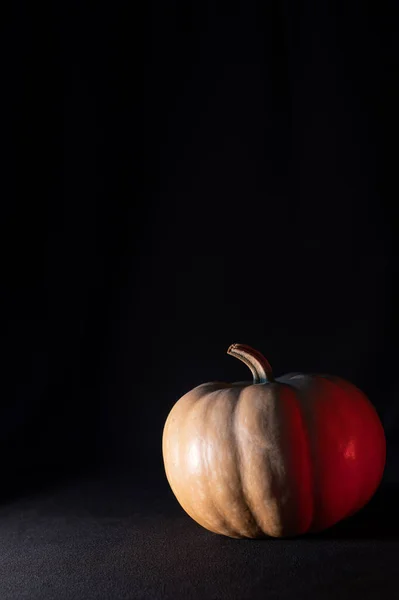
(179, 176)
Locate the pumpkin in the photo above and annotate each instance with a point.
(275, 457)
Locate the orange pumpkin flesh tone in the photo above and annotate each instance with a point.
(274, 457)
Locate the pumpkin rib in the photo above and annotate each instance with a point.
(255, 450)
(307, 415)
(224, 524)
(170, 473)
(238, 453)
(284, 488)
(299, 398)
(202, 404)
(275, 482)
(237, 530)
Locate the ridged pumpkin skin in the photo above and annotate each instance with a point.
(276, 458)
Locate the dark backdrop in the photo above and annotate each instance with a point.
(179, 176)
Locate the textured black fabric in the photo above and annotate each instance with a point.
(124, 538)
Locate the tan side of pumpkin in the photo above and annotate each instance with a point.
(276, 458)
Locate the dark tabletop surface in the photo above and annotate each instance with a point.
(123, 536)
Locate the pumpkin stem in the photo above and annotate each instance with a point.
(260, 368)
